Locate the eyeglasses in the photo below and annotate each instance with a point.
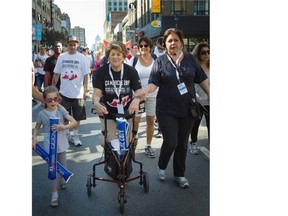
(50, 100)
(145, 45)
(204, 52)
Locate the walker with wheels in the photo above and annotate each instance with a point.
(119, 167)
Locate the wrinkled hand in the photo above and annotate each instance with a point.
(141, 94)
(134, 106)
(100, 109)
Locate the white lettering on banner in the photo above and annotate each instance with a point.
(53, 139)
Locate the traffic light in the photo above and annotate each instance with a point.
(136, 36)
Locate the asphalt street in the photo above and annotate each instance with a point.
(163, 198)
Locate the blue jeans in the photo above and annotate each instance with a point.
(39, 81)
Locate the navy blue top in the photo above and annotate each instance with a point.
(169, 100)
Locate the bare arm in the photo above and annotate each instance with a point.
(55, 79)
(142, 94)
(72, 124)
(100, 109)
(206, 88)
(86, 86)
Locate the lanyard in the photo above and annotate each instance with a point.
(177, 62)
(117, 91)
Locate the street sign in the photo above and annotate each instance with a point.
(156, 23)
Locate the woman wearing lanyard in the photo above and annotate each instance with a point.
(175, 73)
(114, 86)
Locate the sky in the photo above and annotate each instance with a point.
(88, 14)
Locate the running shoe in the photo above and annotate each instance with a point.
(76, 141)
(150, 152)
(161, 174)
(182, 181)
(194, 149)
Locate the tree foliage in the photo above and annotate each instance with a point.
(50, 36)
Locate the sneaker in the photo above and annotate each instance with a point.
(194, 149)
(150, 152)
(54, 202)
(182, 182)
(76, 141)
(161, 174)
(159, 135)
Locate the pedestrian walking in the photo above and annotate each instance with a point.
(175, 74)
(201, 52)
(143, 64)
(113, 89)
(53, 109)
(73, 71)
(39, 65)
(50, 64)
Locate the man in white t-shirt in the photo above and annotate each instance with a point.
(73, 71)
(39, 63)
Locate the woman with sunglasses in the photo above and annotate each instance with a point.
(175, 74)
(143, 64)
(54, 109)
(201, 52)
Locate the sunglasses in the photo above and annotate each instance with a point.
(50, 100)
(204, 52)
(141, 46)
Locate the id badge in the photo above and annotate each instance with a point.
(120, 109)
(182, 88)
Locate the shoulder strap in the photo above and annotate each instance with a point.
(135, 60)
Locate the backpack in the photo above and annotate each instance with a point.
(136, 59)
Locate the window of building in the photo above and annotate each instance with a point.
(178, 7)
(115, 3)
(121, 9)
(109, 4)
(120, 3)
(115, 9)
(201, 7)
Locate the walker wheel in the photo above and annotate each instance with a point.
(89, 185)
(145, 182)
(122, 201)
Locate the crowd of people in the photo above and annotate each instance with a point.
(163, 76)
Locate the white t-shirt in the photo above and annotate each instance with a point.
(144, 74)
(40, 67)
(72, 69)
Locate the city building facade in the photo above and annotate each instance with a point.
(152, 17)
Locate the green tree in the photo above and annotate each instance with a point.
(50, 36)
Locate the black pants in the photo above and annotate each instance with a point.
(175, 133)
(195, 128)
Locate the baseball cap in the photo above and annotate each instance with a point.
(71, 38)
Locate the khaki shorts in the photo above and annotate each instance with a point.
(150, 107)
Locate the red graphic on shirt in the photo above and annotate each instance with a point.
(125, 100)
(72, 76)
(115, 101)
